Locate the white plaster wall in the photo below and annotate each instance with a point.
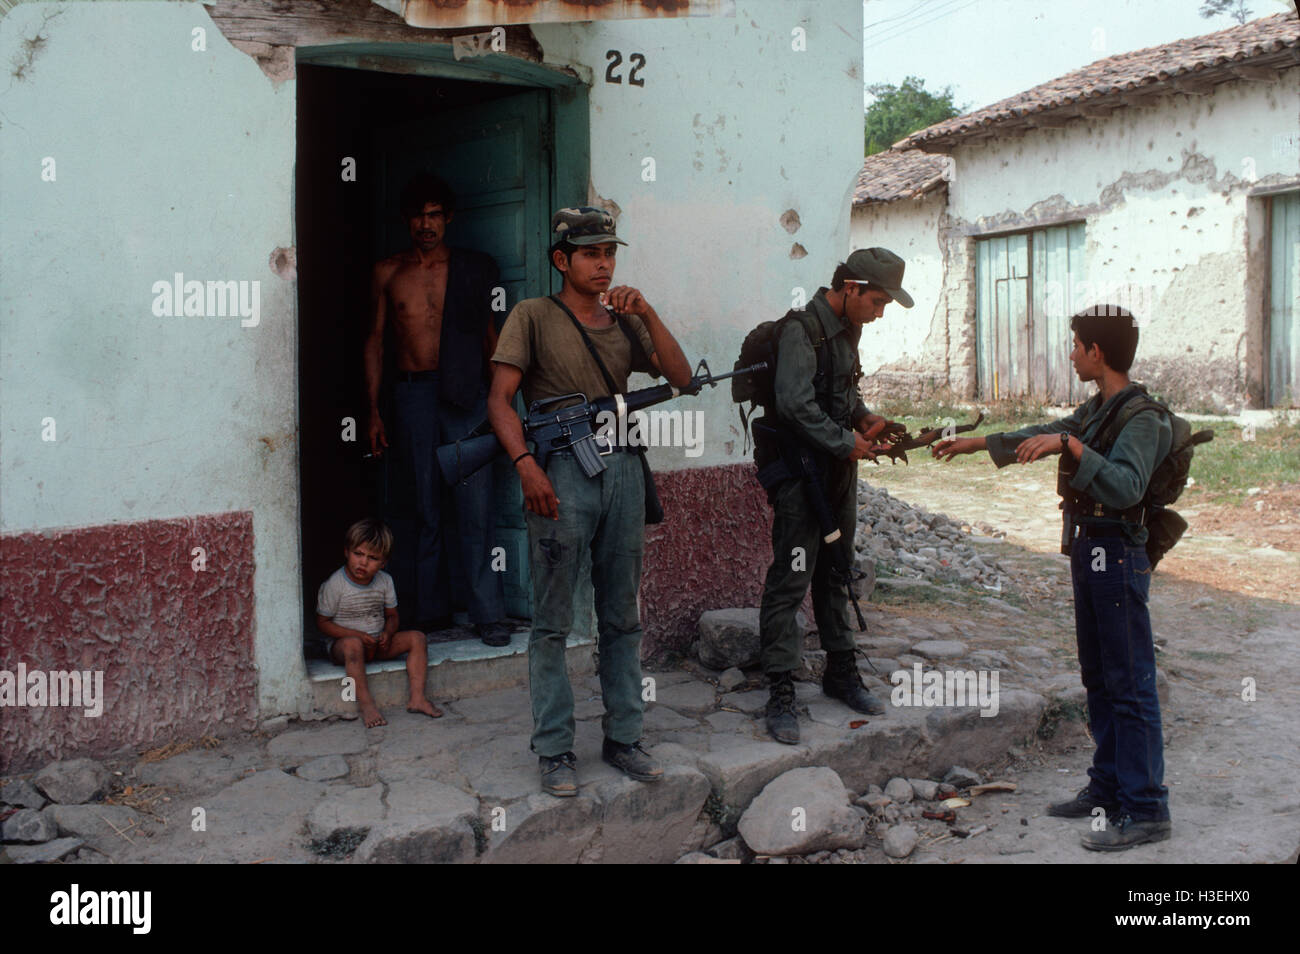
(1164, 193)
(742, 128)
(167, 160)
(910, 229)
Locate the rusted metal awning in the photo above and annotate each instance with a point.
(449, 14)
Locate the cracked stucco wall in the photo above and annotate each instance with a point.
(165, 159)
(1165, 193)
(743, 129)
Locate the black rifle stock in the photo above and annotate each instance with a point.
(573, 428)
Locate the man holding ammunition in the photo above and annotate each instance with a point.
(818, 405)
(586, 339)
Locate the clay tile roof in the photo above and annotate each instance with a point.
(899, 174)
(1187, 66)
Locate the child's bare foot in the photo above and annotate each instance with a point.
(425, 706)
(370, 713)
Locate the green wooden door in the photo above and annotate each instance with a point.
(494, 157)
(1025, 293)
(1284, 306)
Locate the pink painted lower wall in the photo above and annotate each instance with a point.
(174, 644)
(711, 552)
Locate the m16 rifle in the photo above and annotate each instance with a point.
(552, 426)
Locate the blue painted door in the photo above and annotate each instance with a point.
(1284, 301)
(496, 158)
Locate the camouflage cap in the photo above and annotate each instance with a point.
(880, 266)
(583, 226)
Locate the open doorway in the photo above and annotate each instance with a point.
(490, 142)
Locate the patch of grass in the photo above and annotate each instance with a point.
(1207, 655)
(1225, 468)
(722, 814)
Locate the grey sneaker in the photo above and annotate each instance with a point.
(559, 774)
(1124, 833)
(632, 760)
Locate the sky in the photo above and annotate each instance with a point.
(987, 50)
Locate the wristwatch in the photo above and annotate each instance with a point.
(1065, 441)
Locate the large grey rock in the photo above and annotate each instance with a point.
(802, 811)
(22, 793)
(323, 769)
(46, 853)
(729, 638)
(95, 824)
(542, 829)
(73, 782)
(939, 648)
(646, 824)
(351, 808)
(962, 732)
(884, 645)
(302, 745)
(29, 825)
(899, 790)
(900, 841)
(426, 823)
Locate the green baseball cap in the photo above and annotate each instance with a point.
(583, 226)
(880, 266)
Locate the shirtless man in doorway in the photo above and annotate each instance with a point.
(438, 299)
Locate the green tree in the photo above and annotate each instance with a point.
(899, 110)
(1233, 8)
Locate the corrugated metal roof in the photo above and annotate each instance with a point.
(1190, 66)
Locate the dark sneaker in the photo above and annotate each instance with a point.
(494, 634)
(1125, 833)
(782, 722)
(559, 774)
(1081, 806)
(843, 682)
(632, 760)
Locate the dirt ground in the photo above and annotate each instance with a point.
(1225, 610)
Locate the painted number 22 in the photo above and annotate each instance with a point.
(615, 58)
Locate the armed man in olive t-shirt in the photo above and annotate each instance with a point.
(542, 348)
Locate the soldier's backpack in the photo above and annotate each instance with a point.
(1164, 526)
(759, 389)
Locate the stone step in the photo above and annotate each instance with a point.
(457, 670)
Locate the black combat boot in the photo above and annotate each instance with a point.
(843, 682)
(781, 720)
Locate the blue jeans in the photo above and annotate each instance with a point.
(1112, 579)
(419, 500)
(604, 514)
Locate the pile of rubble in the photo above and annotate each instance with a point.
(914, 543)
(808, 816)
(58, 814)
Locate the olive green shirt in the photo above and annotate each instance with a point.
(1117, 479)
(539, 339)
(796, 367)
